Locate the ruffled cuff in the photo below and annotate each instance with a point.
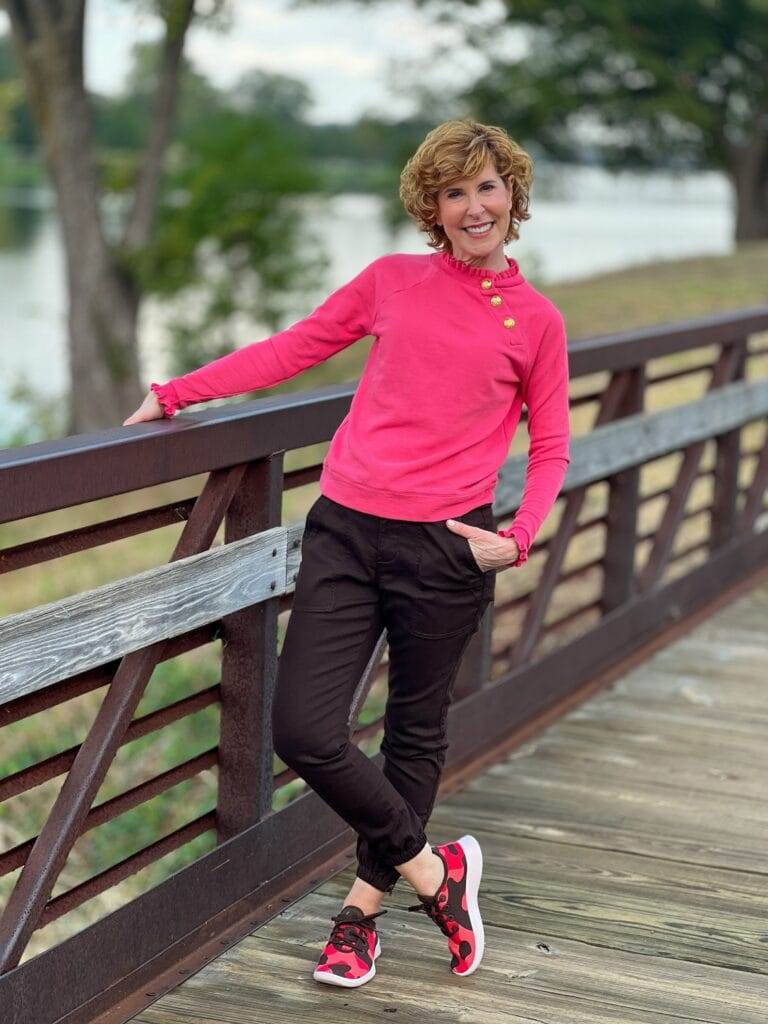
(521, 539)
(168, 397)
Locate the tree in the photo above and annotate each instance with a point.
(236, 247)
(214, 214)
(103, 294)
(686, 81)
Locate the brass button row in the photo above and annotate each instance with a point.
(496, 300)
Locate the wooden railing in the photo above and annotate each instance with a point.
(657, 413)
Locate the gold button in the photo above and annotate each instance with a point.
(486, 283)
(509, 322)
(496, 300)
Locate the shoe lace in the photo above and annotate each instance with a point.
(352, 936)
(439, 915)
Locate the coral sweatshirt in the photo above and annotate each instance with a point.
(457, 351)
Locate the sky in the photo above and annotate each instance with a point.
(348, 54)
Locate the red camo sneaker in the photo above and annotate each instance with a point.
(349, 955)
(454, 907)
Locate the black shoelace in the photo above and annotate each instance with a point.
(352, 936)
(442, 919)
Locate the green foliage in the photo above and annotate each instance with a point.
(16, 125)
(273, 96)
(672, 82)
(41, 420)
(230, 229)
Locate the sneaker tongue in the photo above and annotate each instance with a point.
(350, 913)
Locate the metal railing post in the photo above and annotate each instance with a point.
(249, 667)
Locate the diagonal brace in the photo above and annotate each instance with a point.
(64, 825)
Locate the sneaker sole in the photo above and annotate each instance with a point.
(329, 978)
(474, 856)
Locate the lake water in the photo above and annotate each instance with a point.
(583, 221)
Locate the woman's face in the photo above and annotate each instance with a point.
(483, 202)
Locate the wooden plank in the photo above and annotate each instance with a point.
(732, 768)
(634, 440)
(527, 976)
(637, 711)
(723, 690)
(680, 765)
(57, 640)
(590, 816)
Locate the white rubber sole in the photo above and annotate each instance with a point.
(329, 978)
(474, 854)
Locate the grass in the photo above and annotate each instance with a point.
(640, 296)
(664, 292)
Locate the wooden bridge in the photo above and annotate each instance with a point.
(626, 862)
(607, 738)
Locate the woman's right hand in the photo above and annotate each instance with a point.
(150, 409)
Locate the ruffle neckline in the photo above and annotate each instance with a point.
(459, 266)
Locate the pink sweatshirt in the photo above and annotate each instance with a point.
(457, 351)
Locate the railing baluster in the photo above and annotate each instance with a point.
(249, 667)
(727, 460)
(622, 513)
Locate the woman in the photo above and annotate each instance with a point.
(403, 536)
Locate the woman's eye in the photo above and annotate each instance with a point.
(487, 185)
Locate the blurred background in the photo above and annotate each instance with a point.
(179, 178)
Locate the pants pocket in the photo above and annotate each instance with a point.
(453, 589)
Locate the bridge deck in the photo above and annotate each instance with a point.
(626, 870)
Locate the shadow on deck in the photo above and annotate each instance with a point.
(626, 870)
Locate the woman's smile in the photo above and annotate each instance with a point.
(479, 229)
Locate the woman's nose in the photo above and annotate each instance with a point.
(476, 207)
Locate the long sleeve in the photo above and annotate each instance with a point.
(545, 393)
(344, 317)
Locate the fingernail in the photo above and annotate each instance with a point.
(451, 522)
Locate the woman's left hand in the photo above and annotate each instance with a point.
(490, 551)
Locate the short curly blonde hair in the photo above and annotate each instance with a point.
(460, 149)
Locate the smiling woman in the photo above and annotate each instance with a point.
(402, 537)
(475, 215)
(468, 188)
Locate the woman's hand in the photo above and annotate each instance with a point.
(150, 409)
(490, 551)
